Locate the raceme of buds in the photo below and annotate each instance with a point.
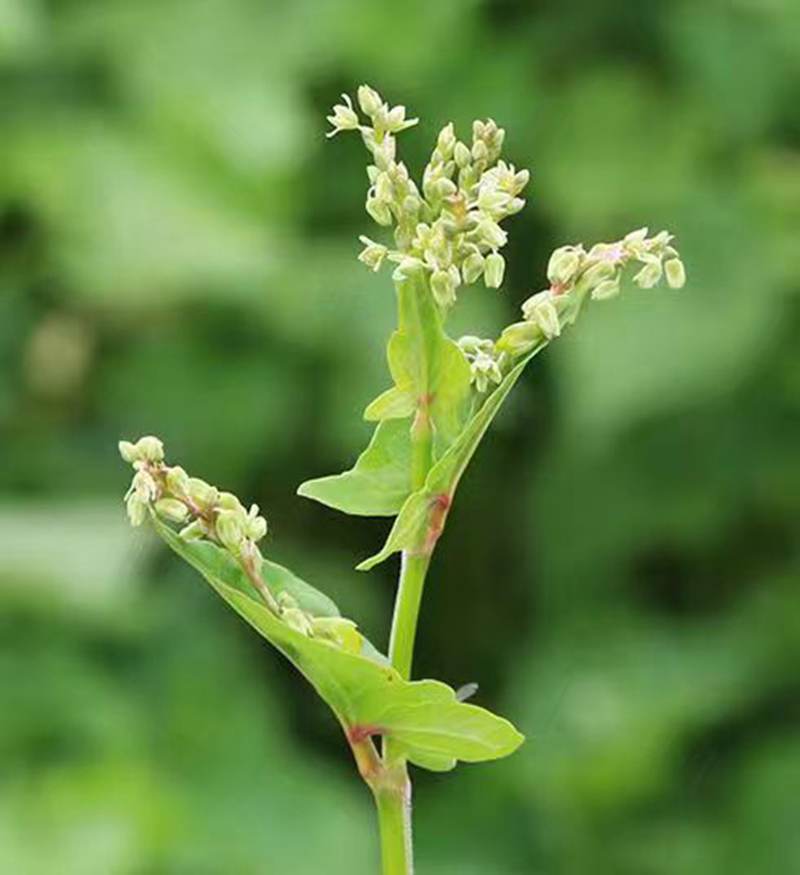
(450, 223)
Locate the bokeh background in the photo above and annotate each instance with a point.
(621, 573)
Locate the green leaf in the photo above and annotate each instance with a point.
(368, 697)
(421, 519)
(394, 403)
(378, 483)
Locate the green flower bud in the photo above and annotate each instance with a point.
(369, 100)
(379, 211)
(150, 449)
(676, 273)
(373, 253)
(128, 452)
(444, 187)
(446, 142)
(193, 532)
(230, 529)
(519, 338)
(443, 288)
(649, 275)
(228, 501)
(494, 271)
(462, 154)
(177, 481)
(480, 151)
(597, 273)
(136, 507)
(172, 509)
(541, 311)
(563, 265)
(202, 494)
(491, 234)
(472, 267)
(606, 289)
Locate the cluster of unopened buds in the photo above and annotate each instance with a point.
(451, 228)
(206, 513)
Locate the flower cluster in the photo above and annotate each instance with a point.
(206, 513)
(485, 362)
(576, 274)
(451, 228)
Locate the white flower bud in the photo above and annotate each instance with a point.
(480, 152)
(373, 253)
(521, 179)
(144, 486)
(563, 265)
(443, 288)
(255, 526)
(472, 267)
(128, 452)
(494, 270)
(676, 273)
(150, 449)
(492, 201)
(446, 142)
(396, 120)
(485, 370)
(491, 234)
(343, 118)
(369, 100)
(172, 509)
(445, 187)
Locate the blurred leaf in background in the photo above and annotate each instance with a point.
(178, 245)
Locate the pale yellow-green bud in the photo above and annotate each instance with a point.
(230, 529)
(675, 272)
(172, 509)
(541, 310)
(491, 234)
(379, 211)
(480, 152)
(597, 273)
(150, 449)
(177, 480)
(519, 338)
(396, 120)
(494, 270)
(444, 187)
(228, 501)
(144, 486)
(492, 200)
(203, 495)
(443, 288)
(446, 142)
(373, 253)
(649, 275)
(343, 117)
(369, 100)
(462, 154)
(563, 265)
(193, 532)
(484, 370)
(607, 289)
(472, 267)
(255, 526)
(136, 507)
(128, 452)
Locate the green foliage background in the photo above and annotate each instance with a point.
(621, 570)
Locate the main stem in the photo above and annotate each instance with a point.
(393, 795)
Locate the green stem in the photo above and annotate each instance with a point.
(406, 612)
(394, 821)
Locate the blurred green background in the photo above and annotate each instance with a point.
(621, 570)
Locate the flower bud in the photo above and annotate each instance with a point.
(379, 211)
(519, 338)
(396, 120)
(177, 481)
(649, 275)
(445, 187)
(172, 509)
(343, 117)
(521, 179)
(492, 200)
(491, 234)
(494, 270)
(480, 152)
(373, 253)
(230, 529)
(203, 495)
(144, 486)
(597, 273)
(472, 267)
(255, 526)
(607, 289)
(443, 288)
(446, 142)
(563, 265)
(193, 532)
(462, 154)
(541, 311)
(136, 507)
(676, 273)
(150, 449)
(369, 100)
(128, 452)
(485, 369)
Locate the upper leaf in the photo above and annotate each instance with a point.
(424, 718)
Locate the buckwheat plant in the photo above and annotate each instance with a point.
(446, 235)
